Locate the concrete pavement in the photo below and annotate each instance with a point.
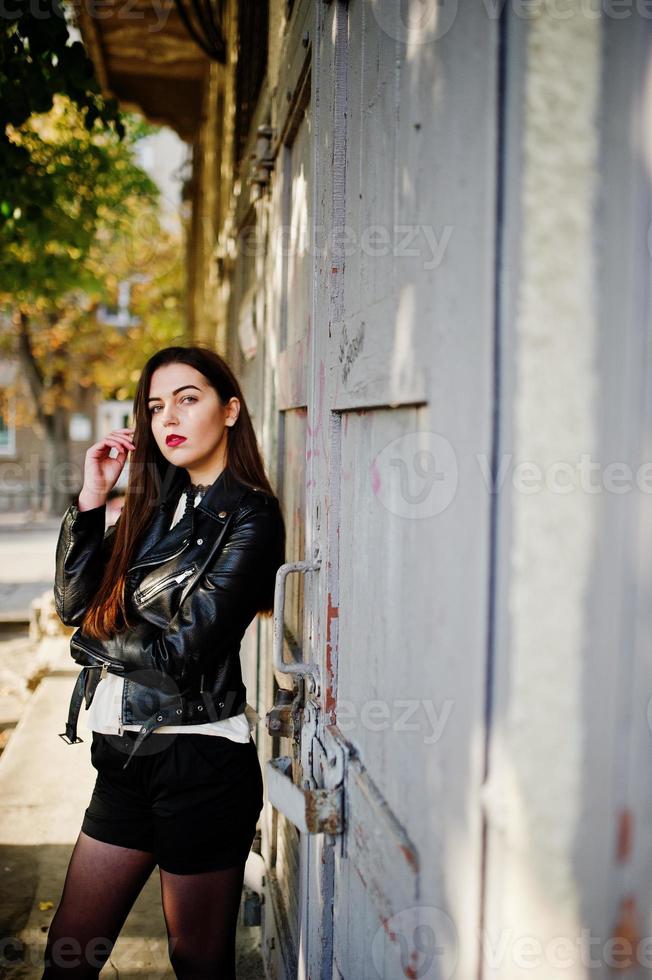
(45, 785)
(27, 550)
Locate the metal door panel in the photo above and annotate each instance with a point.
(403, 510)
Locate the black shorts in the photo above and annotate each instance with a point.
(191, 800)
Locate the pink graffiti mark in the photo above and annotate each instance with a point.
(375, 479)
(320, 402)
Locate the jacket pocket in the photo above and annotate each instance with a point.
(81, 654)
(143, 595)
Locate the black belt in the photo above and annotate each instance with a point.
(193, 711)
(70, 734)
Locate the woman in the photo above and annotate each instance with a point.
(161, 600)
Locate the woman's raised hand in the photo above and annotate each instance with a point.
(101, 471)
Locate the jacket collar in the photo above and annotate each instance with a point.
(222, 497)
(219, 501)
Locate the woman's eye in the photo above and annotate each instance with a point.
(191, 397)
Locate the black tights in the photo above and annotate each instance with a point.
(102, 883)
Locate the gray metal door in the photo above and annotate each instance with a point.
(386, 371)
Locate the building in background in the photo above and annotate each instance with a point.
(23, 445)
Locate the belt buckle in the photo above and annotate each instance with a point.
(70, 741)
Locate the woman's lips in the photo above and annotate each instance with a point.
(174, 440)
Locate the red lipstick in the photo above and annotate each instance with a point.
(173, 440)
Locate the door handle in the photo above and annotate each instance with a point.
(309, 670)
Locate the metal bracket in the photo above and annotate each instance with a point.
(313, 811)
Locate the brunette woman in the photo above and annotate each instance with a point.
(161, 601)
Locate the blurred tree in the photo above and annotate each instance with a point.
(38, 59)
(97, 226)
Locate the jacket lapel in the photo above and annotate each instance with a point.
(217, 504)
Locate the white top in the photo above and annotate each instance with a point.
(105, 712)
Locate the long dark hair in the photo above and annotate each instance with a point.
(107, 613)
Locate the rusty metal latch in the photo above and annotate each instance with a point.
(278, 719)
(313, 811)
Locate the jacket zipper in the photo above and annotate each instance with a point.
(153, 589)
(101, 660)
(160, 559)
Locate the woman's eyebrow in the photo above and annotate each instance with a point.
(176, 391)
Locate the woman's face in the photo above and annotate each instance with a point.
(195, 414)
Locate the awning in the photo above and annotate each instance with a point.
(144, 56)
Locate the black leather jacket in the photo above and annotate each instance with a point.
(192, 594)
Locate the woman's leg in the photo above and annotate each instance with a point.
(102, 883)
(201, 915)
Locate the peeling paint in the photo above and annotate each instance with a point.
(410, 856)
(330, 705)
(625, 832)
(626, 930)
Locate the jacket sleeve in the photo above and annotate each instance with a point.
(81, 552)
(215, 614)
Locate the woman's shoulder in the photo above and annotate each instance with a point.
(259, 508)
(259, 497)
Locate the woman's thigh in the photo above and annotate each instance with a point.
(201, 916)
(102, 883)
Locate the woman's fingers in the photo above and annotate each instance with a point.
(126, 436)
(121, 440)
(117, 439)
(110, 443)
